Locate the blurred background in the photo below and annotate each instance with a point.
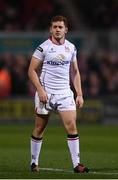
(93, 28)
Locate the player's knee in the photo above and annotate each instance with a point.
(39, 129)
(71, 127)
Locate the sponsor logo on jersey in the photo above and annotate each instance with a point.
(57, 63)
(40, 49)
(58, 60)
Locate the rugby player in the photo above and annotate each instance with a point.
(56, 61)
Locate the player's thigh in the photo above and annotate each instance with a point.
(68, 118)
(41, 121)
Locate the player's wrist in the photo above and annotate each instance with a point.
(79, 95)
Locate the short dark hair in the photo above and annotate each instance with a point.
(59, 18)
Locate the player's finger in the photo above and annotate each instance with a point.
(43, 99)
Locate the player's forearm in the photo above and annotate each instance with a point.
(35, 80)
(77, 84)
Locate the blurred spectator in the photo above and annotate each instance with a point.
(19, 76)
(84, 71)
(94, 87)
(5, 81)
(109, 73)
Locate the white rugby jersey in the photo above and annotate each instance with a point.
(56, 65)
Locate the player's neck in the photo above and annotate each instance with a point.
(57, 41)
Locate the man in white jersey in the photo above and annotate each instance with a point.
(56, 60)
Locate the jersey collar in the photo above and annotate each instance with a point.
(50, 38)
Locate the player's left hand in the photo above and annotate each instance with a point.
(79, 101)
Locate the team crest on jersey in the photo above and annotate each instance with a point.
(67, 49)
(60, 57)
(40, 49)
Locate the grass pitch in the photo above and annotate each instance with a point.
(98, 144)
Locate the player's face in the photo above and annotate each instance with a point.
(58, 30)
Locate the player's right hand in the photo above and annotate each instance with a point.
(79, 101)
(43, 97)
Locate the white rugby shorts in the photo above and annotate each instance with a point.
(56, 102)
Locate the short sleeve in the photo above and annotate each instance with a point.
(39, 53)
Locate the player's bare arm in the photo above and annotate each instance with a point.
(33, 75)
(76, 79)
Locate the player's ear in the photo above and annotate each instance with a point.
(51, 30)
(66, 30)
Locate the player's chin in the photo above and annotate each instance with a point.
(58, 37)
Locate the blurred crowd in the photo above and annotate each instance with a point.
(13, 75)
(25, 15)
(99, 74)
(99, 14)
(34, 15)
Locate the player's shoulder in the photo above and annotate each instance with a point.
(45, 43)
(43, 46)
(70, 44)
